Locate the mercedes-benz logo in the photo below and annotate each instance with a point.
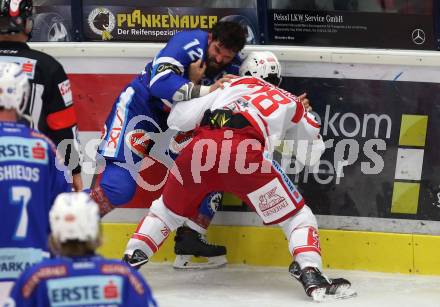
(418, 36)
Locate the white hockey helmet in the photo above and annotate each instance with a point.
(262, 64)
(74, 216)
(14, 87)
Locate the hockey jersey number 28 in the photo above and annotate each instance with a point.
(274, 112)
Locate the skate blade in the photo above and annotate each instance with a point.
(343, 292)
(137, 265)
(183, 262)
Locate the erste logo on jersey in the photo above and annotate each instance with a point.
(85, 290)
(121, 269)
(38, 152)
(23, 149)
(66, 92)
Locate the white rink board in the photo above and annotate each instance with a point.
(242, 286)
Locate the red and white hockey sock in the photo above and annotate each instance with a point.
(301, 231)
(148, 236)
(154, 229)
(305, 248)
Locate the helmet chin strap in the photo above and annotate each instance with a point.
(273, 79)
(280, 80)
(28, 27)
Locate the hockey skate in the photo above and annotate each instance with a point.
(318, 286)
(190, 243)
(136, 260)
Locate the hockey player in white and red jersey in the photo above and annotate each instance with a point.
(235, 130)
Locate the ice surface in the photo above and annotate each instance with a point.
(241, 285)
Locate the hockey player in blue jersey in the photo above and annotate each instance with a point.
(78, 277)
(30, 179)
(192, 64)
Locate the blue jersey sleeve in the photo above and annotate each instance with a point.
(16, 297)
(139, 298)
(170, 67)
(27, 293)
